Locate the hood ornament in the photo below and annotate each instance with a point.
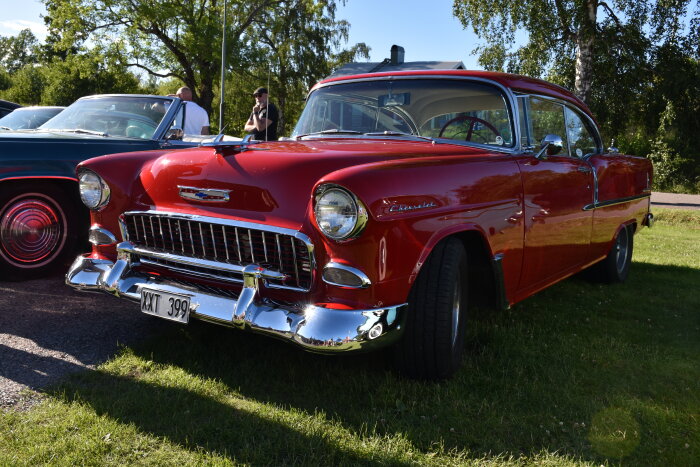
(245, 144)
(206, 195)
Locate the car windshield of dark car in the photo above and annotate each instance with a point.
(458, 110)
(27, 118)
(121, 116)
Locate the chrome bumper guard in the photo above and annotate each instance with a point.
(314, 328)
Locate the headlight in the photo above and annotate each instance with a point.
(93, 190)
(339, 214)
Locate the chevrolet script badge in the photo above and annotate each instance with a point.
(207, 195)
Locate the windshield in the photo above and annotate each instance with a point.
(437, 108)
(126, 116)
(26, 118)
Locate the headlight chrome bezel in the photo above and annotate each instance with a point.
(358, 208)
(104, 190)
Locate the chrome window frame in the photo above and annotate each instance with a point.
(507, 94)
(574, 108)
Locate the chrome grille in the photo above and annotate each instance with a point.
(233, 243)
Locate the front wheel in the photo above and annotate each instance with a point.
(38, 230)
(433, 341)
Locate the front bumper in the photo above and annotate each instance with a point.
(315, 328)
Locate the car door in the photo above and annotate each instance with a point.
(557, 190)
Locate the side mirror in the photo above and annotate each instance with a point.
(612, 149)
(551, 145)
(174, 133)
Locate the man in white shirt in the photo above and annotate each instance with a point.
(196, 118)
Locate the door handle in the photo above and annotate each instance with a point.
(584, 169)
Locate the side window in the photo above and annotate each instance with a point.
(179, 120)
(580, 134)
(547, 118)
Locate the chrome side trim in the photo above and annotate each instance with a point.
(497, 266)
(614, 202)
(315, 328)
(365, 282)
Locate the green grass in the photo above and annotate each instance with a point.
(580, 374)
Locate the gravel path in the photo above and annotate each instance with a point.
(48, 330)
(675, 200)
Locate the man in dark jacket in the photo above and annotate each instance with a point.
(262, 123)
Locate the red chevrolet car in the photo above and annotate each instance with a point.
(399, 200)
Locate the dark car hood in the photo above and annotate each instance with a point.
(31, 135)
(30, 153)
(273, 182)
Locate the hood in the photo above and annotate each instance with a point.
(272, 182)
(48, 135)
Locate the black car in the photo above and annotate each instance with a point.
(28, 118)
(6, 107)
(41, 214)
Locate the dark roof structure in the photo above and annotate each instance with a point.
(394, 63)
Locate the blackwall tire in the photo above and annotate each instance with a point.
(433, 341)
(616, 265)
(38, 231)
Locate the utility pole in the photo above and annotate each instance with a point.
(223, 71)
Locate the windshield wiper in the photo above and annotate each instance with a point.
(332, 131)
(5, 128)
(77, 130)
(399, 133)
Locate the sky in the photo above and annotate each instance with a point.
(426, 29)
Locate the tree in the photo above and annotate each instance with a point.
(161, 37)
(295, 42)
(26, 86)
(18, 51)
(181, 39)
(563, 31)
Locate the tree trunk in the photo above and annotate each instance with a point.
(584, 52)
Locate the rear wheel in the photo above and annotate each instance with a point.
(433, 341)
(38, 230)
(615, 267)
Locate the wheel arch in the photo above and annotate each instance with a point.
(484, 275)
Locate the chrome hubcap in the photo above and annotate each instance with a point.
(456, 300)
(31, 231)
(621, 249)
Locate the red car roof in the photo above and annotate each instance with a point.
(517, 83)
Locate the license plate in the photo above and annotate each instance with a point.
(165, 305)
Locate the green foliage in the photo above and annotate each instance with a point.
(18, 51)
(293, 46)
(288, 40)
(5, 80)
(645, 60)
(62, 81)
(27, 86)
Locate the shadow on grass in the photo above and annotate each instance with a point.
(535, 378)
